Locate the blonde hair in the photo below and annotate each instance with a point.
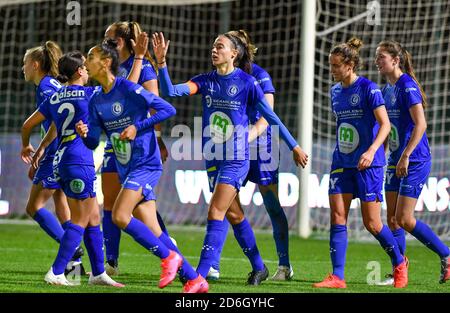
(47, 56)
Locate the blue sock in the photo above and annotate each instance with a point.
(161, 224)
(64, 226)
(212, 240)
(399, 235)
(49, 223)
(224, 232)
(93, 240)
(389, 244)
(69, 243)
(338, 249)
(279, 225)
(144, 236)
(186, 270)
(111, 234)
(426, 236)
(244, 235)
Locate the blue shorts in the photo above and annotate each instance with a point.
(77, 181)
(231, 172)
(411, 185)
(109, 161)
(367, 185)
(391, 181)
(45, 175)
(145, 178)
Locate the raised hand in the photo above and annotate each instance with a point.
(160, 46)
(140, 47)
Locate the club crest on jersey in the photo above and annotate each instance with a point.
(232, 90)
(208, 100)
(354, 99)
(393, 99)
(117, 108)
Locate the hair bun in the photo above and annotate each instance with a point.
(62, 78)
(355, 43)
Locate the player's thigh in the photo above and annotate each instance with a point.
(110, 188)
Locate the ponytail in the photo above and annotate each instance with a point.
(246, 51)
(47, 56)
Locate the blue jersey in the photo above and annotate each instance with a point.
(147, 73)
(357, 126)
(399, 98)
(265, 82)
(65, 108)
(225, 100)
(124, 105)
(47, 87)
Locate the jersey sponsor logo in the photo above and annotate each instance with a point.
(394, 141)
(354, 99)
(122, 148)
(208, 100)
(117, 108)
(410, 89)
(374, 91)
(348, 138)
(57, 97)
(139, 90)
(232, 90)
(221, 127)
(77, 185)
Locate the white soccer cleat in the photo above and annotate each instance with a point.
(283, 273)
(389, 281)
(104, 280)
(213, 274)
(53, 279)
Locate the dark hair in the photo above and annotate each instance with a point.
(128, 31)
(395, 49)
(108, 49)
(47, 56)
(350, 52)
(68, 65)
(246, 53)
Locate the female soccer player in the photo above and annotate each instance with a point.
(121, 110)
(263, 171)
(410, 159)
(138, 66)
(40, 67)
(228, 92)
(74, 170)
(358, 160)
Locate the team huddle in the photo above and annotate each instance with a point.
(238, 118)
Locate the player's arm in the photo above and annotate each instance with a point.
(27, 149)
(385, 127)
(160, 46)
(45, 142)
(261, 125)
(90, 133)
(300, 157)
(420, 126)
(140, 49)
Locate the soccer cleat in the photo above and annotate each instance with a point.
(331, 281)
(213, 274)
(401, 274)
(197, 285)
(53, 279)
(389, 281)
(74, 268)
(283, 273)
(169, 268)
(256, 277)
(103, 280)
(112, 267)
(445, 270)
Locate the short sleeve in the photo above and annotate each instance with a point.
(412, 95)
(374, 96)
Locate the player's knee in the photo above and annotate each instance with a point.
(120, 219)
(373, 227)
(235, 217)
(392, 222)
(405, 222)
(338, 218)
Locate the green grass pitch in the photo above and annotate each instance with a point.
(27, 253)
